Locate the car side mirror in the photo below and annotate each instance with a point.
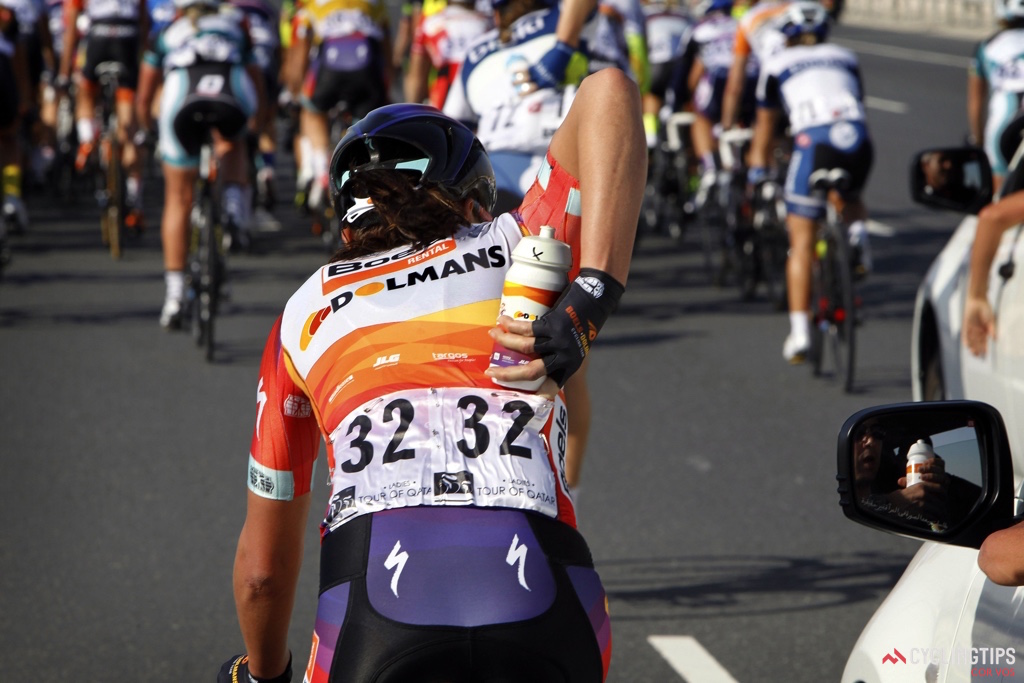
(956, 178)
(938, 471)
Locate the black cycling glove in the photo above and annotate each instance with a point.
(236, 670)
(563, 334)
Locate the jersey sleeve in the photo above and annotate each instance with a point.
(554, 199)
(285, 440)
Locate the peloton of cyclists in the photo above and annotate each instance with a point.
(818, 86)
(204, 55)
(14, 83)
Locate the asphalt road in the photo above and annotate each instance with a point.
(708, 494)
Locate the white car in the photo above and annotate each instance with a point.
(944, 621)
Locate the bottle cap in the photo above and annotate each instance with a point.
(921, 449)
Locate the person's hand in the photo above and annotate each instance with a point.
(979, 325)
(517, 335)
(236, 670)
(562, 336)
(927, 497)
(549, 71)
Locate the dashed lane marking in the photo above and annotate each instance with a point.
(891, 106)
(690, 660)
(905, 53)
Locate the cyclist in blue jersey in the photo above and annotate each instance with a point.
(818, 85)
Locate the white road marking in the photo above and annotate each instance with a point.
(880, 229)
(905, 53)
(690, 660)
(891, 106)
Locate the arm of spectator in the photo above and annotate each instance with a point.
(1002, 556)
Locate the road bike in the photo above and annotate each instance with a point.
(769, 241)
(668, 204)
(109, 173)
(725, 214)
(833, 299)
(206, 260)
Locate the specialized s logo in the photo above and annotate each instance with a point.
(517, 553)
(261, 401)
(888, 658)
(396, 560)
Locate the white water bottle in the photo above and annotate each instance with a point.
(919, 454)
(537, 277)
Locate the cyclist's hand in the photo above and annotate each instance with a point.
(562, 336)
(236, 670)
(549, 72)
(979, 325)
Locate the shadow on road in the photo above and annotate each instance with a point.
(703, 586)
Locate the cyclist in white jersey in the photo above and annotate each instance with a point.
(205, 61)
(710, 52)
(995, 84)
(818, 85)
(514, 127)
(443, 484)
(668, 27)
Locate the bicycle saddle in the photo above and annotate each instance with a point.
(830, 179)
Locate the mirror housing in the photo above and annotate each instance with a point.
(967, 492)
(955, 178)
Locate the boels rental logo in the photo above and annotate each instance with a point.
(984, 662)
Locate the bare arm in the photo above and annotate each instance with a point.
(977, 93)
(764, 135)
(733, 90)
(149, 79)
(570, 21)
(266, 573)
(416, 77)
(979, 321)
(602, 143)
(1002, 556)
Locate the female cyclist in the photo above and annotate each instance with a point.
(449, 549)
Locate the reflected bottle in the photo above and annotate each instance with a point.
(919, 454)
(537, 277)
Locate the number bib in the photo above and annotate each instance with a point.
(449, 446)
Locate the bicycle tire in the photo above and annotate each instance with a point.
(833, 314)
(819, 307)
(844, 327)
(209, 273)
(115, 208)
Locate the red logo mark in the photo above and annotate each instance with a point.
(890, 658)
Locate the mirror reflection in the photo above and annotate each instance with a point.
(957, 178)
(924, 474)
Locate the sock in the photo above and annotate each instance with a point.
(800, 324)
(233, 201)
(12, 180)
(132, 191)
(86, 131)
(175, 282)
(306, 167)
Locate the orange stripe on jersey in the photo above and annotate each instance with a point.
(347, 272)
(446, 348)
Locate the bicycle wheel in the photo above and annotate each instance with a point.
(210, 273)
(843, 328)
(115, 208)
(833, 313)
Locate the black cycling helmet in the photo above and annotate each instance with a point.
(416, 138)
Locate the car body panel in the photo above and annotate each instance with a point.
(943, 603)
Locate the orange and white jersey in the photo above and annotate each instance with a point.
(757, 33)
(384, 357)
